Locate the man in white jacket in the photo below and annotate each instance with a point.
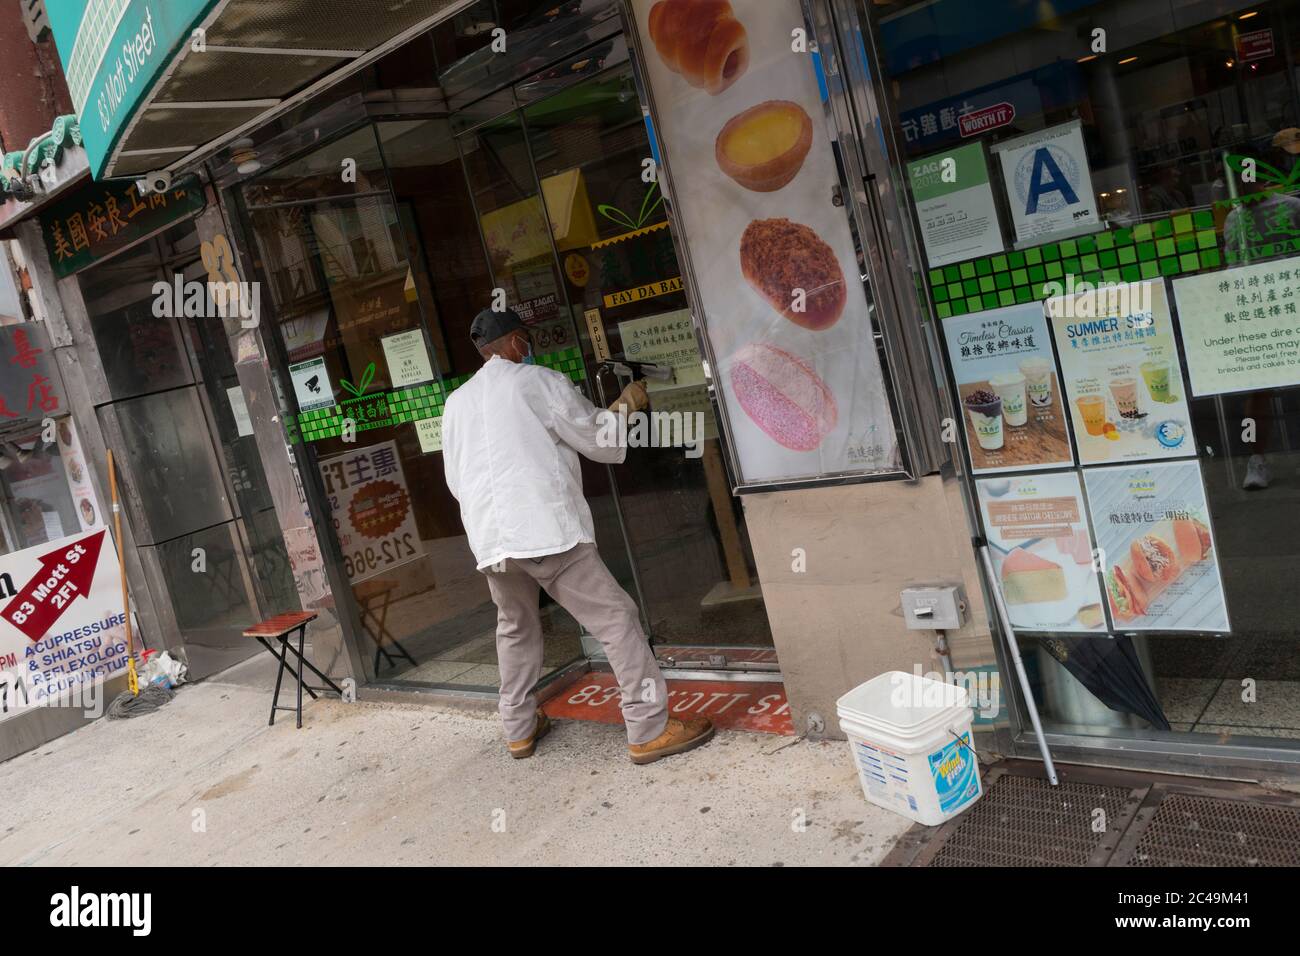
(511, 439)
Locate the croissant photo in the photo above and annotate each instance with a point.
(702, 40)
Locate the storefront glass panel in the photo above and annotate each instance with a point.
(1150, 146)
(449, 210)
(192, 480)
(348, 273)
(685, 530)
(38, 504)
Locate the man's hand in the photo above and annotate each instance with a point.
(634, 398)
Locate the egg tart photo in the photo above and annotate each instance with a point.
(764, 147)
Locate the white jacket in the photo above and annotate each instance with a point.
(511, 437)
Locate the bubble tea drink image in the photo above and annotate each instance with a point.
(1092, 409)
(1038, 381)
(1156, 376)
(1010, 387)
(1124, 391)
(985, 410)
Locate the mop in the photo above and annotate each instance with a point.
(132, 702)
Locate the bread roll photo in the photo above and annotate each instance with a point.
(702, 40)
(790, 266)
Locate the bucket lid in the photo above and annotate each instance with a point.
(903, 703)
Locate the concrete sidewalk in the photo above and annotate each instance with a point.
(205, 781)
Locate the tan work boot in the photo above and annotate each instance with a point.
(678, 737)
(519, 749)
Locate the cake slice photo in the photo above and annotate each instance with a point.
(1030, 578)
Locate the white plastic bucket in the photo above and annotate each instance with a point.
(911, 742)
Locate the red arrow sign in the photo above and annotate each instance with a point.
(64, 576)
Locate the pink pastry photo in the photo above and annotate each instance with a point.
(783, 396)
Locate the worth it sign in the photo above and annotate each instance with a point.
(62, 626)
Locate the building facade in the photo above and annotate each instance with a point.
(988, 300)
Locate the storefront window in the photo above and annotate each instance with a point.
(1134, 449)
(141, 352)
(193, 486)
(38, 502)
(377, 281)
(372, 337)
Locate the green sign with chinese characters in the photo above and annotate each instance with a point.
(102, 219)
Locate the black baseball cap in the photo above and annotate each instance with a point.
(490, 325)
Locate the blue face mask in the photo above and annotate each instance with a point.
(528, 358)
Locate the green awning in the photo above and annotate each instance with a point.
(158, 84)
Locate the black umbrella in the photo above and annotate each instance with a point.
(1109, 668)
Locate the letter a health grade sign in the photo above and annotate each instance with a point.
(62, 624)
(1049, 184)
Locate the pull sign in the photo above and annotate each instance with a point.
(596, 329)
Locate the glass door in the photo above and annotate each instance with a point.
(684, 531)
(375, 334)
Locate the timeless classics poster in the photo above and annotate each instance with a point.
(744, 135)
(1123, 380)
(1010, 394)
(1038, 532)
(1156, 547)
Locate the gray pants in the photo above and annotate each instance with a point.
(581, 584)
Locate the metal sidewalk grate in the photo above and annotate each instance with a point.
(1189, 830)
(1024, 821)
(1150, 820)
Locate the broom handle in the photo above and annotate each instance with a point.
(121, 556)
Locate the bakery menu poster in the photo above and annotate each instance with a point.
(1123, 380)
(1156, 548)
(1241, 328)
(744, 136)
(1037, 530)
(1010, 394)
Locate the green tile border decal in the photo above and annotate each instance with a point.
(1179, 245)
(410, 404)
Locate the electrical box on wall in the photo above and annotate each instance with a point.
(933, 608)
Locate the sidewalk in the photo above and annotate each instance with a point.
(375, 784)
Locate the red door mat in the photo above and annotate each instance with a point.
(732, 705)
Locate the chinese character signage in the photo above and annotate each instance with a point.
(1122, 377)
(103, 218)
(668, 340)
(1241, 328)
(1010, 394)
(372, 510)
(1042, 552)
(743, 130)
(1156, 548)
(1049, 184)
(30, 385)
(954, 204)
